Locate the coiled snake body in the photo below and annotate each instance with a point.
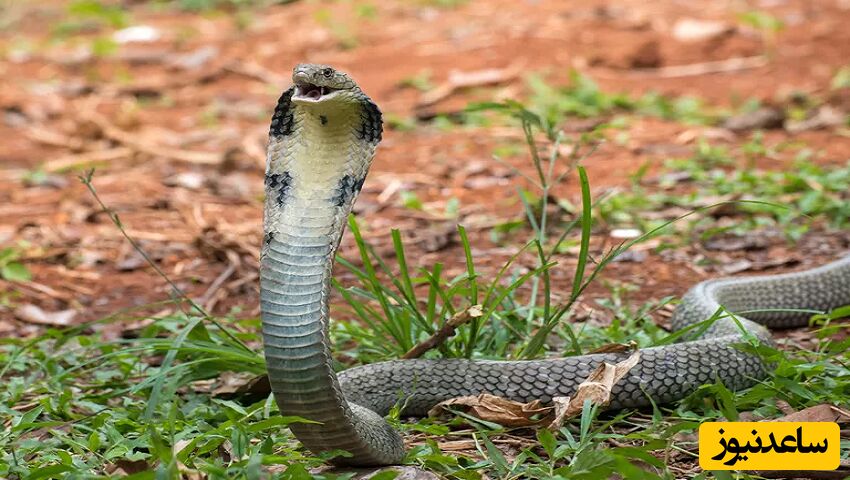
(322, 139)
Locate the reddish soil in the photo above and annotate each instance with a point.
(191, 109)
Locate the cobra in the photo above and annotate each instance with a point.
(323, 136)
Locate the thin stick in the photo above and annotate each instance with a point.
(86, 179)
(71, 161)
(131, 140)
(207, 298)
(703, 68)
(446, 331)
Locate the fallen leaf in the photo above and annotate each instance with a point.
(232, 384)
(127, 467)
(597, 388)
(495, 409)
(818, 413)
(561, 406)
(32, 314)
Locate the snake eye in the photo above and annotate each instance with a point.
(328, 72)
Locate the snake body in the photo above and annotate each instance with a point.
(323, 136)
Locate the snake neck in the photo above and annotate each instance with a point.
(317, 161)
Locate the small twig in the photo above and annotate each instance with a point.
(702, 68)
(87, 181)
(132, 141)
(44, 289)
(53, 138)
(253, 276)
(85, 158)
(460, 80)
(208, 298)
(446, 331)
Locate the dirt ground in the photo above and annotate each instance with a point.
(176, 124)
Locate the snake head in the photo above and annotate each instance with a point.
(316, 84)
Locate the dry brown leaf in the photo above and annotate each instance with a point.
(231, 384)
(597, 388)
(561, 406)
(818, 413)
(127, 467)
(495, 409)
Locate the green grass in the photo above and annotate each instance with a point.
(11, 267)
(583, 98)
(77, 406)
(791, 200)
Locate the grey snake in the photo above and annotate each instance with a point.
(322, 139)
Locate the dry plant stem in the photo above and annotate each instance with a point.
(460, 80)
(86, 179)
(85, 158)
(53, 138)
(44, 289)
(132, 141)
(446, 331)
(209, 298)
(180, 294)
(703, 68)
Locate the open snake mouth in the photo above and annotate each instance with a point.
(312, 93)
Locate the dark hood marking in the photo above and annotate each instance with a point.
(282, 119)
(347, 189)
(278, 185)
(371, 124)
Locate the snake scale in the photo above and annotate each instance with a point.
(323, 136)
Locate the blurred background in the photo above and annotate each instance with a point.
(170, 102)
